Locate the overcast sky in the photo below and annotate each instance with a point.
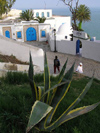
(27, 4)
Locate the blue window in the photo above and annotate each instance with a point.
(19, 34)
(42, 14)
(48, 14)
(43, 34)
(37, 14)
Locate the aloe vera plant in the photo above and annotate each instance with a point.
(47, 99)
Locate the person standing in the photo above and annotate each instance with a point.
(80, 68)
(56, 64)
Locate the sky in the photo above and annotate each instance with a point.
(35, 4)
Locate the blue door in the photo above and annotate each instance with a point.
(77, 46)
(31, 34)
(7, 33)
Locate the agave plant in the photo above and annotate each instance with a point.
(47, 99)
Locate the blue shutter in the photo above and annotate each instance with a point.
(37, 14)
(42, 14)
(19, 35)
(48, 15)
(43, 33)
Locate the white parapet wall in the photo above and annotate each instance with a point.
(90, 49)
(21, 51)
(63, 46)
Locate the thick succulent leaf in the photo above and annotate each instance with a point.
(62, 72)
(80, 97)
(55, 86)
(34, 90)
(46, 78)
(41, 91)
(32, 83)
(72, 114)
(61, 92)
(39, 111)
(59, 78)
(31, 71)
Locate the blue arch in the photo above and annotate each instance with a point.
(7, 33)
(78, 46)
(31, 34)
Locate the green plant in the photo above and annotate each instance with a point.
(46, 100)
(16, 78)
(27, 15)
(83, 14)
(40, 20)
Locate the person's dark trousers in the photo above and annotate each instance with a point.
(57, 68)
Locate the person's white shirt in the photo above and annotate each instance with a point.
(80, 68)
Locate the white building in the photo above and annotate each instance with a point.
(25, 31)
(13, 12)
(34, 31)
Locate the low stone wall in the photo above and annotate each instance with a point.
(6, 67)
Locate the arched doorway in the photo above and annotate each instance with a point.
(7, 33)
(78, 47)
(31, 34)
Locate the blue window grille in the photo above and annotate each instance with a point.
(37, 14)
(42, 14)
(43, 34)
(19, 34)
(48, 14)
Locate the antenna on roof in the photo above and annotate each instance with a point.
(45, 5)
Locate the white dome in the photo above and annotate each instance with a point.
(64, 29)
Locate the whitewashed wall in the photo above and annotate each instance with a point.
(51, 21)
(90, 50)
(60, 20)
(15, 29)
(21, 51)
(46, 28)
(63, 46)
(56, 21)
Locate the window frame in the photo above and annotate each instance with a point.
(42, 14)
(36, 14)
(48, 13)
(17, 34)
(42, 35)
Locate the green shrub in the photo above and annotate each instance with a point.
(16, 78)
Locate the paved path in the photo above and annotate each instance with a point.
(88, 65)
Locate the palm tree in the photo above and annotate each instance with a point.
(27, 15)
(40, 20)
(83, 14)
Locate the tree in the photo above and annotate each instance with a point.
(27, 15)
(41, 20)
(83, 14)
(5, 6)
(73, 9)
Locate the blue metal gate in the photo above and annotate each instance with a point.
(77, 46)
(7, 33)
(31, 34)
